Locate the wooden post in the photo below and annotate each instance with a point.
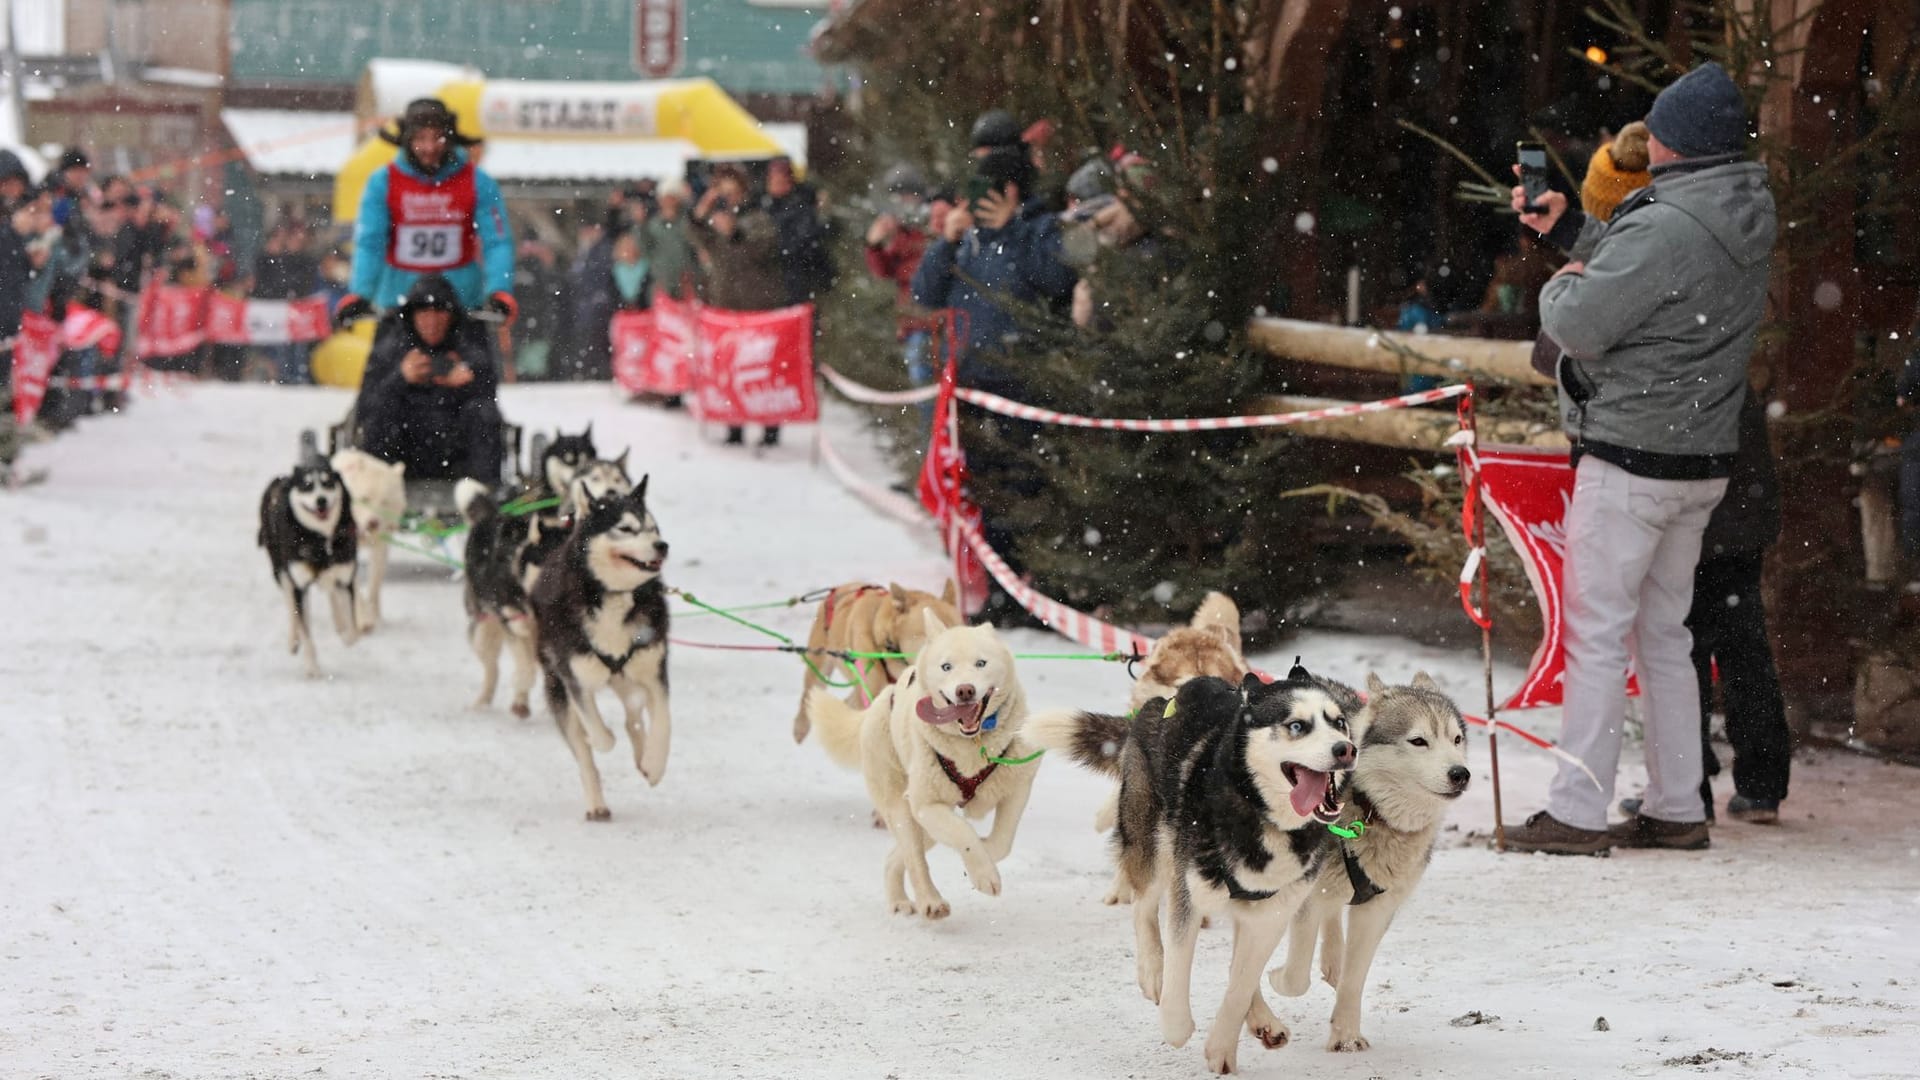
(1508, 363)
(1479, 541)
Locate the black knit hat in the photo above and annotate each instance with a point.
(431, 292)
(1701, 114)
(73, 158)
(427, 113)
(995, 128)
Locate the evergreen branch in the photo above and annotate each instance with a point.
(1458, 153)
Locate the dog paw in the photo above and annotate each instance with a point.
(601, 738)
(1119, 894)
(521, 710)
(1176, 1030)
(1270, 1031)
(879, 822)
(903, 906)
(1330, 971)
(1289, 983)
(935, 909)
(985, 878)
(599, 813)
(1224, 1061)
(1347, 1041)
(801, 726)
(653, 771)
(481, 704)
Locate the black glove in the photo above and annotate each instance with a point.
(351, 309)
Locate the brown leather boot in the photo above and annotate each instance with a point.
(1545, 833)
(1641, 831)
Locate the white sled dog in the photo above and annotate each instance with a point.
(1412, 765)
(944, 737)
(379, 490)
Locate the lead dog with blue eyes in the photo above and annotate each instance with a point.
(1226, 792)
(941, 742)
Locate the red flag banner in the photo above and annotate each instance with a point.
(652, 350)
(172, 321)
(755, 367)
(942, 490)
(35, 352)
(235, 321)
(85, 328)
(676, 328)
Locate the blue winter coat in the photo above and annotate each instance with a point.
(385, 286)
(986, 277)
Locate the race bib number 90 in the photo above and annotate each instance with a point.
(427, 247)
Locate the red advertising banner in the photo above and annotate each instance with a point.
(676, 328)
(172, 321)
(754, 367)
(658, 29)
(35, 352)
(648, 361)
(235, 321)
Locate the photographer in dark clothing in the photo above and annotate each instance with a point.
(427, 397)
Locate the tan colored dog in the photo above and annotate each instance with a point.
(928, 746)
(867, 618)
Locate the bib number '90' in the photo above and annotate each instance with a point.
(428, 245)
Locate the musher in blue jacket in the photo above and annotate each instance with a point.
(432, 211)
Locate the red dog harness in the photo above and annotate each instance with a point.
(967, 784)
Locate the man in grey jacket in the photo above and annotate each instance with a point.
(1655, 317)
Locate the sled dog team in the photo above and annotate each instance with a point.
(1293, 808)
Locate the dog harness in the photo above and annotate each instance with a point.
(833, 598)
(614, 667)
(967, 784)
(1363, 887)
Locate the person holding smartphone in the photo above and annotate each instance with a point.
(1655, 317)
(428, 395)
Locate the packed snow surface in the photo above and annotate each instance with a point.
(211, 866)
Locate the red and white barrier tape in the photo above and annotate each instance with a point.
(1063, 620)
(867, 395)
(1005, 407)
(146, 379)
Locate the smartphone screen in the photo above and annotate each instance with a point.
(977, 188)
(1533, 174)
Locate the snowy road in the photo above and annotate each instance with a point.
(212, 867)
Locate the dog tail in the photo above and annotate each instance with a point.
(839, 726)
(474, 500)
(1218, 610)
(1091, 739)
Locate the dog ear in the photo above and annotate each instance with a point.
(934, 626)
(1250, 683)
(588, 434)
(950, 593)
(1374, 686)
(1424, 681)
(399, 468)
(622, 460)
(639, 489)
(901, 601)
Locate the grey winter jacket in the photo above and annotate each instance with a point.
(1657, 330)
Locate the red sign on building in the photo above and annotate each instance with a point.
(658, 28)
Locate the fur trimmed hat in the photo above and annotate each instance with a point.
(1618, 169)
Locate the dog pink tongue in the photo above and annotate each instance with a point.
(1309, 788)
(952, 714)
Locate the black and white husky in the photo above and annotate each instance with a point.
(504, 554)
(1225, 796)
(601, 612)
(306, 525)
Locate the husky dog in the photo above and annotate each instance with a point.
(601, 611)
(560, 460)
(871, 618)
(1412, 765)
(306, 525)
(944, 737)
(379, 491)
(1208, 645)
(503, 557)
(1225, 795)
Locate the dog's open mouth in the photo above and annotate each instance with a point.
(651, 566)
(1314, 794)
(967, 716)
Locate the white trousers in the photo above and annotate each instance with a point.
(1632, 544)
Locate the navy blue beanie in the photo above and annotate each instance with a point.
(1701, 114)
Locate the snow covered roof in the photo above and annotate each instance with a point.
(292, 142)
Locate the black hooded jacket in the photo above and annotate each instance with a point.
(395, 337)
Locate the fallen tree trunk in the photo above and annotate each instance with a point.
(1482, 359)
(1407, 429)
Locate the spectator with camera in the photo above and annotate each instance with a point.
(1655, 316)
(740, 247)
(896, 241)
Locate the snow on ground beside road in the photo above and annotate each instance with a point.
(212, 867)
